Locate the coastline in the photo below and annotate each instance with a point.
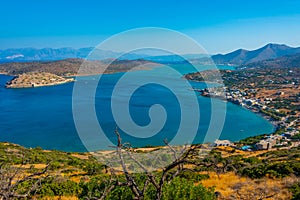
(36, 86)
(253, 110)
(266, 117)
(32, 80)
(261, 92)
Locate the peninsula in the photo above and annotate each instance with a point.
(29, 80)
(70, 67)
(48, 73)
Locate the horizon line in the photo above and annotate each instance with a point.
(87, 47)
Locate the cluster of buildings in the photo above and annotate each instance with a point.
(266, 143)
(246, 99)
(235, 96)
(267, 93)
(272, 141)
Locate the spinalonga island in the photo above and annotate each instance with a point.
(34, 79)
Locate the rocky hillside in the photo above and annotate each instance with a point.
(290, 61)
(70, 67)
(224, 172)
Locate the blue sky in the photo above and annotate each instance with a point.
(218, 25)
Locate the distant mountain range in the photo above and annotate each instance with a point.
(243, 57)
(238, 57)
(48, 54)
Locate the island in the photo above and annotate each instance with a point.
(34, 79)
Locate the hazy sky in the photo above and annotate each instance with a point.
(218, 25)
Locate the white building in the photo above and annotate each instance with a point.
(225, 143)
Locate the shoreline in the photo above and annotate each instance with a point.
(273, 122)
(32, 80)
(37, 86)
(266, 117)
(255, 111)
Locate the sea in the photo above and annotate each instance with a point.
(43, 116)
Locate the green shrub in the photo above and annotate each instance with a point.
(59, 187)
(295, 189)
(184, 189)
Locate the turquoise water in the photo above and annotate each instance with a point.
(43, 116)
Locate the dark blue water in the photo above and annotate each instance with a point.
(43, 116)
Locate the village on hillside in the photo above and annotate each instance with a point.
(274, 94)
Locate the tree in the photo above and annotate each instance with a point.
(142, 184)
(12, 177)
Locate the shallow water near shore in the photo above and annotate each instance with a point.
(43, 116)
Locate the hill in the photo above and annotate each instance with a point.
(69, 67)
(242, 56)
(290, 61)
(235, 174)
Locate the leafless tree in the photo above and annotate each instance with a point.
(11, 177)
(166, 175)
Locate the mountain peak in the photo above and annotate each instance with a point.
(276, 46)
(269, 51)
